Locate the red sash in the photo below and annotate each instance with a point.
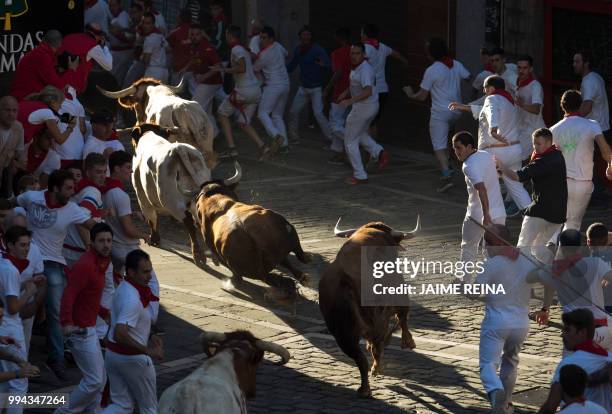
(522, 83)
(505, 94)
(592, 348)
(447, 61)
(535, 155)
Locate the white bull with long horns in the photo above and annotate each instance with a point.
(156, 103)
(223, 381)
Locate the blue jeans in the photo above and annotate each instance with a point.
(56, 281)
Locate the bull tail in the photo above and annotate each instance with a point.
(296, 246)
(191, 162)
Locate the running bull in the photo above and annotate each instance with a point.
(160, 167)
(223, 381)
(340, 300)
(247, 239)
(154, 102)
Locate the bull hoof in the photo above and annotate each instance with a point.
(155, 239)
(364, 392)
(376, 370)
(408, 343)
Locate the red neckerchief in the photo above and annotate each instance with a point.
(304, 48)
(90, 3)
(145, 293)
(447, 61)
(85, 182)
(34, 160)
(233, 43)
(49, 203)
(580, 400)
(114, 135)
(524, 82)
(592, 348)
(20, 264)
(110, 184)
(510, 252)
(550, 150)
(220, 18)
(505, 94)
(561, 265)
(101, 262)
(372, 42)
(571, 114)
(489, 68)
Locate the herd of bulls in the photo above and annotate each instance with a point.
(172, 176)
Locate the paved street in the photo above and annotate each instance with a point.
(439, 376)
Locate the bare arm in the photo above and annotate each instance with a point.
(237, 67)
(531, 108)
(59, 137)
(552, 402)
(420, 96)
(484, 201)
(585, 108)
(123, 338)
(130, 230)
(606, 153)
(367, 92)
(507, 171)
(397, 55)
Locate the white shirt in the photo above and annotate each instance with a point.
(478, 83)
(590, 362)
(593, 88)
(531, 93)
(72, 148)
(36, 265)
(271, 62)
(360, 78)
(90, 200)
(588, 407)
(247, 79)
(39, 116)
(49, 225)
(102, 56)
(575, 136)
(10, 285)
(127, 309)
(580, 286)
(96, 145)
(98, 13)
(444, 84)
(254, 44)
(510, 76)
(155, 45)
(480, 168)
(160, 23)
(377, 58)
(122, 21)
(497, 112)
(509, 310)
(49, 164)
(118, 202)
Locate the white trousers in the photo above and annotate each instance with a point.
(87, 353)
(271, 110)
(159, 73)
(440, 123)
(499, 349)
(122, 60)
(204, 95)
(27, 333)
(337, 121)
(15, 386)
(300, 101)
(356, 134)
(578, 197)
(511, 158)
(535, 233)
(471, 235)
(132, 380)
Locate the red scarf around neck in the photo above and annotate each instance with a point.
(447, 61)
(110, 184)
(592, 348)
(20, 264)
(550, 150)
(489, 68)
(90, 3)
(85, 182)
(571, 114)
(372, 42)
(145, 293)
(220, 18)
(304, 48)
(561, 265)
(524, 82)
(34, 160)
(505, 94)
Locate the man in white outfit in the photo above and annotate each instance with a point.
(271, 63)
(498, 133)
(443, 80)
(529, 102)
(485, 204)
(506, 321)
(121, 40)
(507, 71)
(153, 50)
(363, 98)
(576, 136)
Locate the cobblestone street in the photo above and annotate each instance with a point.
(439, 376)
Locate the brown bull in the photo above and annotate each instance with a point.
(340, 301)
(248, 239)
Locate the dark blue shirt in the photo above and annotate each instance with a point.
(311, 73)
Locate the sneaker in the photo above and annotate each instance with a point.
(229, 153)
(338, 159)
(445, 184)
(58, 369)
(383, 160)
(512, 209)
(353, 181)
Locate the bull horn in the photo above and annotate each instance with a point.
(408, 234)
(275, 349)
(118, 94)
(206, 337)
(343, 233)
(237, 176)
(179, 87)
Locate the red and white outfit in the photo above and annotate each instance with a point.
(41, 163)
(530, 91)
(88, 50)
(341, 62)
(271, 62)
(121, 49)
(155, 45)
(243, 100)
(71, 151)
(479, 168)
(377, 52)
(88, 197)
(593, 88)
(203, 57)
(443, 81)
(590, 357)
(575, 137)
(80, 307)
(499, 112)
(479, 79)
(12, 326)
(131, 374)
